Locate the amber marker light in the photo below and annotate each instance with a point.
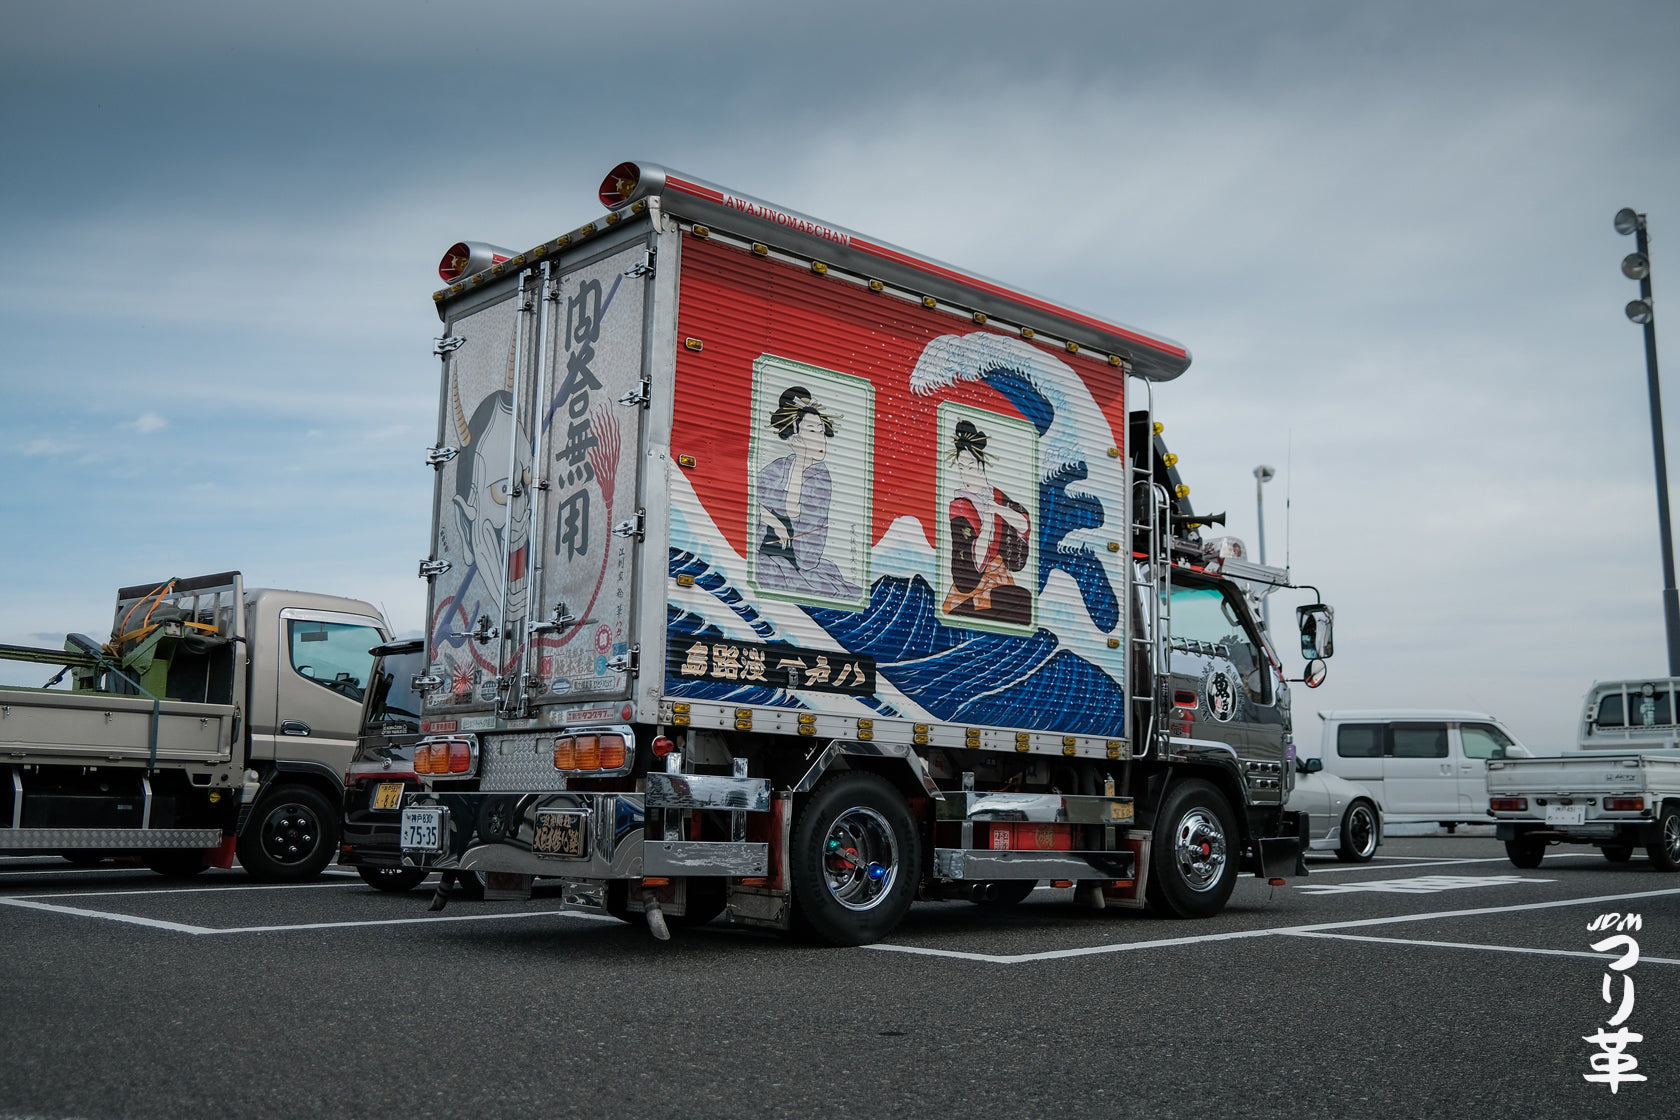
(588, 752)
(612, 752)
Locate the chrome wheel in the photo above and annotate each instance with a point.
(1359, 834)
(1199, 849)
(1665, 850)
(860, 858)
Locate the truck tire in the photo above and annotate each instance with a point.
(1617, 853)
(293, 833)
(392, 878)
(1194, 859)
(175, 863)
(1525, 851)
(855, 860)
(1359, 833)
(1664, 848)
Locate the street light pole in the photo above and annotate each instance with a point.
(1263, 475)
(1637, 266)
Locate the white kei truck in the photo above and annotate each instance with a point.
(780, 571)
(216, 720)
(1621, 791)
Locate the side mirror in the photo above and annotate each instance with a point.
(1315, 673)
(1312, 765)
(1315, 622)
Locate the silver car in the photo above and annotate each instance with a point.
(1342, 816)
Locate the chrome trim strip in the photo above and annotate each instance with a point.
(959, 863)
(707, 791)
(704, 857)
(1051, 808)
(123, 838)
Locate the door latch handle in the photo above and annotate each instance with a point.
(293, 727)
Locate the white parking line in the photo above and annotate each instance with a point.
(1130, 946)
(194, 890)
(1469, 945)
(1412, 861)
(201, 931)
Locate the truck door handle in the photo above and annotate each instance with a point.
(293, 727)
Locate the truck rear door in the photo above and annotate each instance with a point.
(589, 524)
(480, 510)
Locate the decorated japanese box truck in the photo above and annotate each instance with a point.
(216, 720)
(781, 571)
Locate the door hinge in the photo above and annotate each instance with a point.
(643, 267)
(447, 343)
(627, 662)
(631, 526)
(641, 394)
(437, 456)
(431, 569)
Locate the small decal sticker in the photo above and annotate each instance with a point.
(1221, 688)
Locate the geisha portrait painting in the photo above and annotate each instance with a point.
(811, 428)
(988, 539)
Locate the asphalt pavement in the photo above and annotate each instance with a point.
(1437, 980)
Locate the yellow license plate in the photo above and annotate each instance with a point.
(387, 795)
(559, 834)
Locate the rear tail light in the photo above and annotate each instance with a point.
(1624, 804)
(1508, 804)
(444, 756)
(460, 757)
(594, 752)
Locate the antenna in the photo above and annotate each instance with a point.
(1288, 486)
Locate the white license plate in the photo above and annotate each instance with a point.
(422, 830)
(1566, 814)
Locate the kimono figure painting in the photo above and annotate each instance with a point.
(989, 538)
(794, 492)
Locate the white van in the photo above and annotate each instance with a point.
(1422, 765)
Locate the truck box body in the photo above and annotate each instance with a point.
(848, 611)
(717, 476)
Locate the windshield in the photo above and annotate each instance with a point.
(1204, 620)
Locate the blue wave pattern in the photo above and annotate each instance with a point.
(972, 676)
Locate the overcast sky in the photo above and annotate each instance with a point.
(1384, 231)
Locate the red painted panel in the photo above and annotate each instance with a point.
(740, 307)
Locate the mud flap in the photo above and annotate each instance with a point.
(1279, 857)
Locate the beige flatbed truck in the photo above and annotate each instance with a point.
(216, 721)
